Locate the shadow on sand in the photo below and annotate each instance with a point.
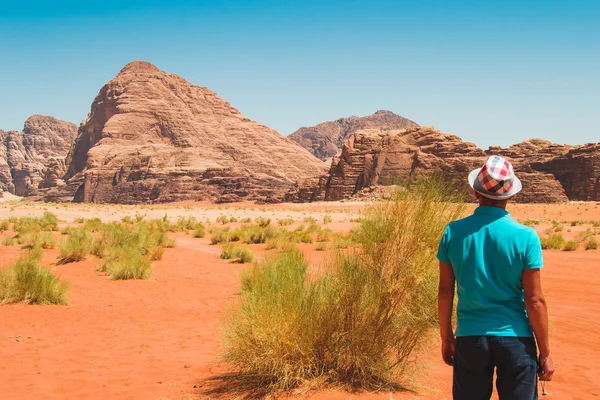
(239, 386)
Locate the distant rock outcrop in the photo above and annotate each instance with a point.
(326, 139)
(35, 158)
(154, 137)
(550, 172)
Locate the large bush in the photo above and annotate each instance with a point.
(358, 322)
(27, 281)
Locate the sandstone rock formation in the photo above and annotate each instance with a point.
(374, 157)
(154, 137)
(326, 139)
(35, 158)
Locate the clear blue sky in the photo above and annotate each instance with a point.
(492, 72)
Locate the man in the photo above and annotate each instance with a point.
(495, 263)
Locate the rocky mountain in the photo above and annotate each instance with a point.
(35, 158)
(550, 172)
(326, 139)
(154, 137)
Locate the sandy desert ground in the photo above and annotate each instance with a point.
(160, 338)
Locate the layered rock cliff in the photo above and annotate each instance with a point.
(371, 157)
(35, 158)
(154, 137)
(326, 139)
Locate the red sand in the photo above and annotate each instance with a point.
(157, 339)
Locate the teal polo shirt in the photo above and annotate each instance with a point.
(488, 252)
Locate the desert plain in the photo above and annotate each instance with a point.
(160, 338)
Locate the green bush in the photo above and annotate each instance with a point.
(79, 220)
(285, 221)
(220, 235)
(199, 231)
(263, 222)
(7, 241)
(327, 219)
(531, 222)
(29, 282)
(321, 246)
(571, 245)
(77, 246)
(156, 254)
(553, 242)
(246, 220)
(358, 323)
(43, 239)
(240, 253)
(591, 244)
(222, 219)
(126, 263)
(4, 225)
(258, 234)
(48, 222)
(585, 235)
(309, 220)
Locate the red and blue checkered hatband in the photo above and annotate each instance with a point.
(497, 175)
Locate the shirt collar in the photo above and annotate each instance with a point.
(490, 210)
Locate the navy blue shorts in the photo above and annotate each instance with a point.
(515, 361)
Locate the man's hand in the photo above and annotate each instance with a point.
(546, 368)
(448, 350)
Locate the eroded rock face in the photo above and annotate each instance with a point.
(35, 158)
(154, 137)
(374, 157)
(327, 139)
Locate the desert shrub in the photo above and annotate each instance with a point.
(65, 231)
(246, 220)
(233, 219)
(570, 245)
(220, 235)
(222, 219)
(94, 225)
(4, 225)
(127, 220)
(576, 223)
(553, 242)
(27, 281)
(309, 220)
(199, 231)
(183, 224)
(76, 247)
(583, 236)
(126, 263)
(591, 244)
(48, 222)
(7, 241)
(596, 224)
(285, 221)
(324, 235)
(240, 253)
(257, 234)
(156, 253)
(262, 222)
(321, 246)
(358, 323)
(42, 239)
(79, 220)
(327, 219)
(282, 243)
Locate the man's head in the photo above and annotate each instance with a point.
(494, 183)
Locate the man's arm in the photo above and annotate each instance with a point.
(535, 303)
(445, 304)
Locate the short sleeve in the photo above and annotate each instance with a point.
(533, 258)
(442, 253)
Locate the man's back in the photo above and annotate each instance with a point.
(488, 252)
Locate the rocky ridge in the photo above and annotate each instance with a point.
(154, 137)
(371, 157)
(35, 158)
(325, 140)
